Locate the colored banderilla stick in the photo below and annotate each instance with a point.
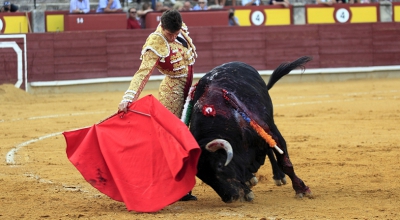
(260, 131)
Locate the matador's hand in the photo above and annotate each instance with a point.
(123, 106)
(126, 101)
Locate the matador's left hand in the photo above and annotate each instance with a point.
(123, 106)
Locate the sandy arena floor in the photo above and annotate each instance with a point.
(343, 139)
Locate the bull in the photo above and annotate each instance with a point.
(232, 120)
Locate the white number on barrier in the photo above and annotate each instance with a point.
(1, 25)
(257, 18)
(79, 20)
(342, 15)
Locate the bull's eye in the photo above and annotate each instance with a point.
(220, 166)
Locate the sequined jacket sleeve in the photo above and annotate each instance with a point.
(139, 80)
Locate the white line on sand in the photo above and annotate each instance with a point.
(54, 116)
(11, 154)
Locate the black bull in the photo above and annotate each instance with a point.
(225, 100)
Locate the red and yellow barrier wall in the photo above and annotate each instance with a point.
(263, 15)
(54, 20)
(342, 13)
(115, 53)
(59, 21)
(396, 11)
(14, 23)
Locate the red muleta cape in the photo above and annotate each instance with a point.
(146, 161)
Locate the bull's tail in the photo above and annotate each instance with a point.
(285, 69)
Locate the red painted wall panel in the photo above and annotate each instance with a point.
(121, 63)
(76, 60)
(345, 46)
(85, 51)
(383, 59)
(193, 18)
(201, 34)
(279, 54)
(237, 35)
(82, 68)
(345, 31)
(41, 72)
(8, 65)
(9, 58)
(40, 57)
(75, 75)
(123, 51)
(287, 43)
(380, 47)
(346, 60)
(292, 32)
(97, 21)
(386, 44)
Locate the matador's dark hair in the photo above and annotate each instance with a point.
(171, 20)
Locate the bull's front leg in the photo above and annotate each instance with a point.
(298, 185)
(278, 175)
(287, 167)
(251, 180)
(248, 194)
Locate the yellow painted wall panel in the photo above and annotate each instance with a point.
(396, 13)
(55, 23)
(320, 15)
(363, 14)
(277, 16)
(15, 25)
(243, 16)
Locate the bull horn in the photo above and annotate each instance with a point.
(217, 144)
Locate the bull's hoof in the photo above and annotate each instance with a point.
(307, 194)
(252, 182)
(249, 197)
(280, 182)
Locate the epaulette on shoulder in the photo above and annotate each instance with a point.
(158, 44)
(184, 27)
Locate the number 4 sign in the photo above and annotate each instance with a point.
(257, 18)
(342, 15)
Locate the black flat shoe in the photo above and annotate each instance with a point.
(188, 197)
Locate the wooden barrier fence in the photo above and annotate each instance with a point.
(115, 53)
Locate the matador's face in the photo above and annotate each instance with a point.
(170, 36)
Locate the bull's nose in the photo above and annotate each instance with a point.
(231, 199)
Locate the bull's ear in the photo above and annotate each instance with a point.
(217, 144)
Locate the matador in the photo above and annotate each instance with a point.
(173, 54)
